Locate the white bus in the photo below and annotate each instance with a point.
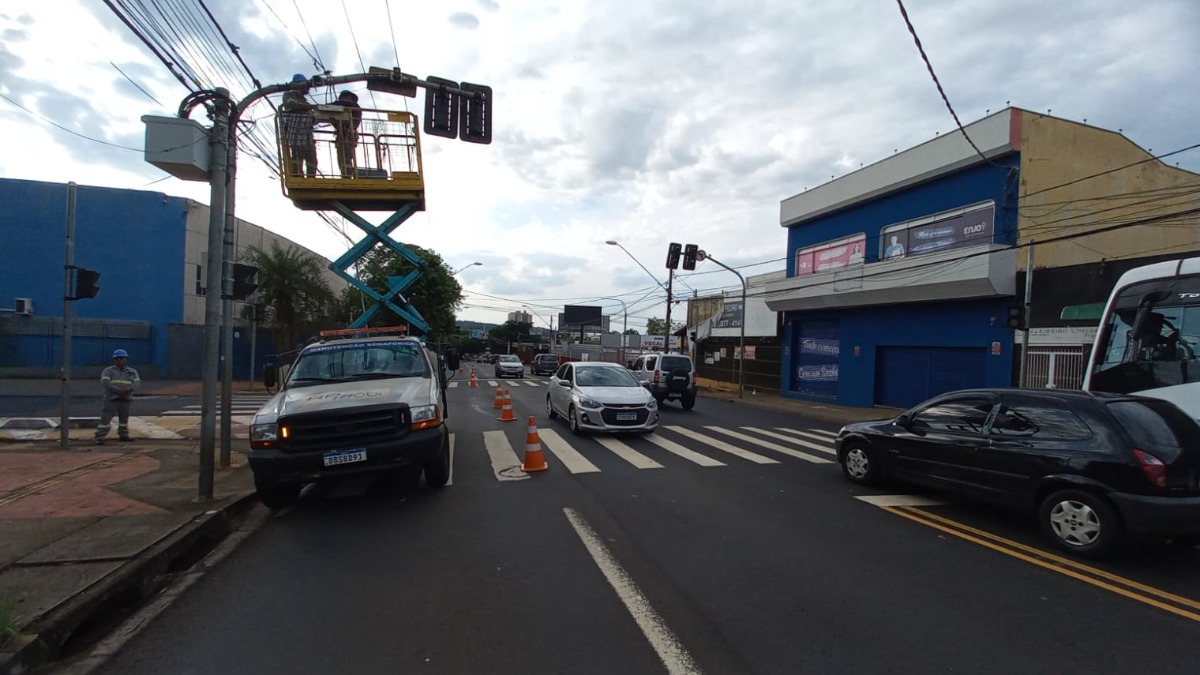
(1148, 341)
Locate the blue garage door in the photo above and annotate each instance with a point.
(905, 376)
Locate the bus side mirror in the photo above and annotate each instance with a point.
(269, 376)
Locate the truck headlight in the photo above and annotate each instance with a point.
(425, 417)
(264, 432)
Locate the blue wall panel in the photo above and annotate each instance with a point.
(970, 186)
(134, 239)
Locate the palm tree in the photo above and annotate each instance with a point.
(292, 293)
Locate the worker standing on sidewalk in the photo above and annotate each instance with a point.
(120, 381)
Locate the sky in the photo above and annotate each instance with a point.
(640, 121)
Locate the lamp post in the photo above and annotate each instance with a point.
(624, 323)
(465, 267)
(701, 255)
(667, 287)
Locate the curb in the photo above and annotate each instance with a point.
(125, 589)
(817, 412)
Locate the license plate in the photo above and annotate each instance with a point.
(345, 457)
(626, 416)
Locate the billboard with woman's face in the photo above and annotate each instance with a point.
(831, 255)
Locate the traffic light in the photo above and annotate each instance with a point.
(85, 284)
(441, 109)
(1016, 317)
(689, 256)
(245, 281)
(476, 115)
(673, 256)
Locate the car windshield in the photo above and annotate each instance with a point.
(339, 362)
(604, 377)
(1168, 351)
(509, 358)
(670, 363)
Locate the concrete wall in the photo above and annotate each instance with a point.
(1056, 152)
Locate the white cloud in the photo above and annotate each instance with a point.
(644, 122)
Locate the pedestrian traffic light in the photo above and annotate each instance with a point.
(245, 281)
(1016, 317)
(441, 108)
(689, 256)
(476, 115)
(673, 256)
(85, 284)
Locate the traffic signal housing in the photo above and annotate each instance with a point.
(245, 281)
(441, 108)
(475, 117)
(1016, 317)
(673, 255)
(85, 284)
(689, 256)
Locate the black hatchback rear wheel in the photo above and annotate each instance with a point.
(1080, 522)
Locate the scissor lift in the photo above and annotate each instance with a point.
(379, 171)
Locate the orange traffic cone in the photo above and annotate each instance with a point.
(499, 402)
(534, 459)
(506, 414)
(474, 383)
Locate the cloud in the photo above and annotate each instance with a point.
(489, 5)
(464, 20)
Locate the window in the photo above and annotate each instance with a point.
(1039, 421)
(641, 361)
(670, 363)
(564, 373)
(961, 415)
(650, 361)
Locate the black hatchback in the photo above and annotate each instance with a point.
(1093, 467)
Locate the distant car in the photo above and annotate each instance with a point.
(1092, 467)
(544, 364)
(509, 365)
(668, 377)
(598, 396)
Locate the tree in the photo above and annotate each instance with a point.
(436, 294)
(509, 331)
(293, 296)
(631, 331)
(655, 326)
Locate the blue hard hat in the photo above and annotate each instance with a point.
(120, 354)
(299, 77)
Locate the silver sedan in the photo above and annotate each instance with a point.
(600, 397)
(509, 365)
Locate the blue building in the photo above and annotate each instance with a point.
(900, 275)
(149, 249)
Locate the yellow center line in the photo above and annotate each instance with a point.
(904, 512)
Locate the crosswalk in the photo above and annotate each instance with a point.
(712, 446)
(492, 384)
(240, 405)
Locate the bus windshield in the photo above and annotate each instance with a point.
(1151, 338)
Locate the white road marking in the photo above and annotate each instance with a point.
(504, 460)
(514, 383)
(452, 385)
(628, 454)
(691, 456)
(815, 434)
(570, 458)
(670, 651)
(531, 384)
(144, 429)
(899, 500)
(794, 441)
(492, 383)
(723, 446)
(772, 446)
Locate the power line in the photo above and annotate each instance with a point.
(69, 131)
(318, 62)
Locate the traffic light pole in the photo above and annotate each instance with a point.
(741, 336)
(64, 422)
(667, 330)
(227, 305)
(1028, 304)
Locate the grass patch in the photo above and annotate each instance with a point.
(10, 620)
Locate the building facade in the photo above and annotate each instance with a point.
(900, 275)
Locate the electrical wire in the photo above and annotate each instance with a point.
(69, 131)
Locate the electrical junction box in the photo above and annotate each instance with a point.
(178, 146)
(23, 306)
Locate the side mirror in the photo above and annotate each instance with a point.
(564, 383)
(453, 361)
(904, 420)
(270, 378)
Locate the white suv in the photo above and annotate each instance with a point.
(669, 377)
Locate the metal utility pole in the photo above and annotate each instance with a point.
(253, 333)
(64, 426)
(701, 255)
(227, 304)
(1023, 381)
(667, 330)
(218, 140)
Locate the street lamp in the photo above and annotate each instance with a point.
(667, 287)
(702, 256)
(466, 266)
(624, 323)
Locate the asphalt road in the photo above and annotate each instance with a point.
(736, 567)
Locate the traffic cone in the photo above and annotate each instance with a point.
(506, 414)
(474, 383)
(534, 459)
(499, 402)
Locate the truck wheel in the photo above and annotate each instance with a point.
(437, 472)
(275, 496)
(688, 402)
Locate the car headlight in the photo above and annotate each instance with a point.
(651, 404)
(589, 403)
(264, 432)
(425, 417)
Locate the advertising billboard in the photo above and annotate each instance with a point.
(831, 255)
(976, 226)
(581, 315)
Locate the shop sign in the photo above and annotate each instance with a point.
(831, 256)
(967, 229)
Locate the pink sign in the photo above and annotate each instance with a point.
(827, 257)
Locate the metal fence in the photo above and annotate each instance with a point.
(1060, 368)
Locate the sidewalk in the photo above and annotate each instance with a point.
(771, 400)
(88, 530)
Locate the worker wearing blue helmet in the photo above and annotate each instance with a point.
(297, 126)
(120, 381)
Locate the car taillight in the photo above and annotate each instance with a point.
(1152, 468)
(656, 377)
